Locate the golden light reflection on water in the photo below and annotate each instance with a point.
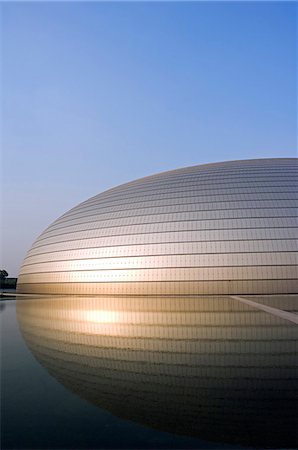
(209, 367)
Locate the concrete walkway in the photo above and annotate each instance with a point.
(274, 311)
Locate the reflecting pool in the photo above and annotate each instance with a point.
(149, 372)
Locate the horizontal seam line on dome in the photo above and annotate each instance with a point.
(206, 180)
(237, 180)
(164, 267)
(249, 340)
(199, 172)
(161, 243)
(102, 201)
(181, 211)
(210, 178)
(144, 233)
(170, 362)
(173, 354)
(131, 269)
(205, 187)
(206, 183)
(140, 199)
(201, 187)
(110, 204)
(160, 202)
(160, 267)
(73, 221)
(174, 325)
(112, 368)
(118, 216)
(177, 325)
(166, 352)
(193, 340)
(185, 339)
(240, 312)
(105, 383)
(245, 326)
(206, 340)
(165, 255)
(202, 190)
(163, 312)
(159, 352)
(277, 218)
(218, 340)
(194, 178)
(51, 230)
(208, 230)
(234, 280)
(207, 176)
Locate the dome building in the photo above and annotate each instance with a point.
(222, 228)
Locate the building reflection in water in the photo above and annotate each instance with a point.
(209, 367)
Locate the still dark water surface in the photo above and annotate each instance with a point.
(141, 372)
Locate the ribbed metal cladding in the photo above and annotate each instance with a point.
(223, 228)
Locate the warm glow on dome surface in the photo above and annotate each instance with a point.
(223, 228)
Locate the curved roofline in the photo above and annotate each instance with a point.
(137, 180)
(198, 165)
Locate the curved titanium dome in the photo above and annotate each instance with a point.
(224, 228)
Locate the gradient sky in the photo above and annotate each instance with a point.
(97, 94)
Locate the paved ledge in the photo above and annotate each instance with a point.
(274, 311)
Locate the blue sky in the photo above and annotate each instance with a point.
(97, 94)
